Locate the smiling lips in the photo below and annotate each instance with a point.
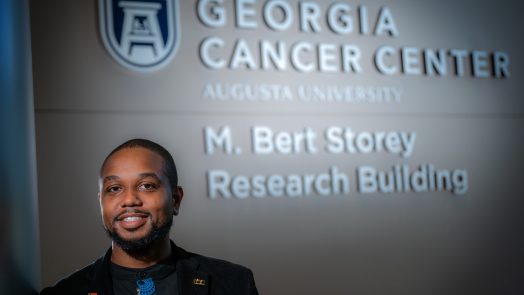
(132, 221)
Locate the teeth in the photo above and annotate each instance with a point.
(132, 218)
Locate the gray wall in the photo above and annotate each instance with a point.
(432, 242)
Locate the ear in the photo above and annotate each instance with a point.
(178, 194)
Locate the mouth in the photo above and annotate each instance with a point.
(132, 221)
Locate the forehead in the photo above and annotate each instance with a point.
(133, 160)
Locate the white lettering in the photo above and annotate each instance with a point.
(287, 15)
(217, 16)
(222, 139)
(245, 10)
(208, 61)
(309, 14)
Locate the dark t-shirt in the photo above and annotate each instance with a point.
(162, 276)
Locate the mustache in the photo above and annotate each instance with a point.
(129, 210)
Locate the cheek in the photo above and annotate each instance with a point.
(106, 220)
(106, 212)
(164, 209)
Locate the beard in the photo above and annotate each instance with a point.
(145, 243)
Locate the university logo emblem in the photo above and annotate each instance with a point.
(140, 35)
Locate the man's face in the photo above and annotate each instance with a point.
(136, 199)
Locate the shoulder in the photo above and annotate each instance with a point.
(213, 265)
(219, 266)
(78, 280)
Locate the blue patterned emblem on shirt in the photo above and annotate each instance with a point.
(146, 286)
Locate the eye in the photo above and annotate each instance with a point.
(113, 189)
(147, 186)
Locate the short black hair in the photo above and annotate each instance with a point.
(169, 163)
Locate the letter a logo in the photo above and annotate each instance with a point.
(140, 35)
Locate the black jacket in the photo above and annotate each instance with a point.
(196, 275)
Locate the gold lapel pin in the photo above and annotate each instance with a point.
(199, 282)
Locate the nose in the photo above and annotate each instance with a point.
(131, 198)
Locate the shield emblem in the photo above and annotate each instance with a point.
(140, 35)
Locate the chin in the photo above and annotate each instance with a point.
(140, 239)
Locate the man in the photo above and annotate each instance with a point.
(139, 194)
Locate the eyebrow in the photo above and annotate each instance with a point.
(111, 177)
(141, 175)
(149, 174)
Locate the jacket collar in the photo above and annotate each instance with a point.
(190, 279)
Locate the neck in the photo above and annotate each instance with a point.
(158, 251)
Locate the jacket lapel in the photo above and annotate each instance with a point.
(191, 281)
